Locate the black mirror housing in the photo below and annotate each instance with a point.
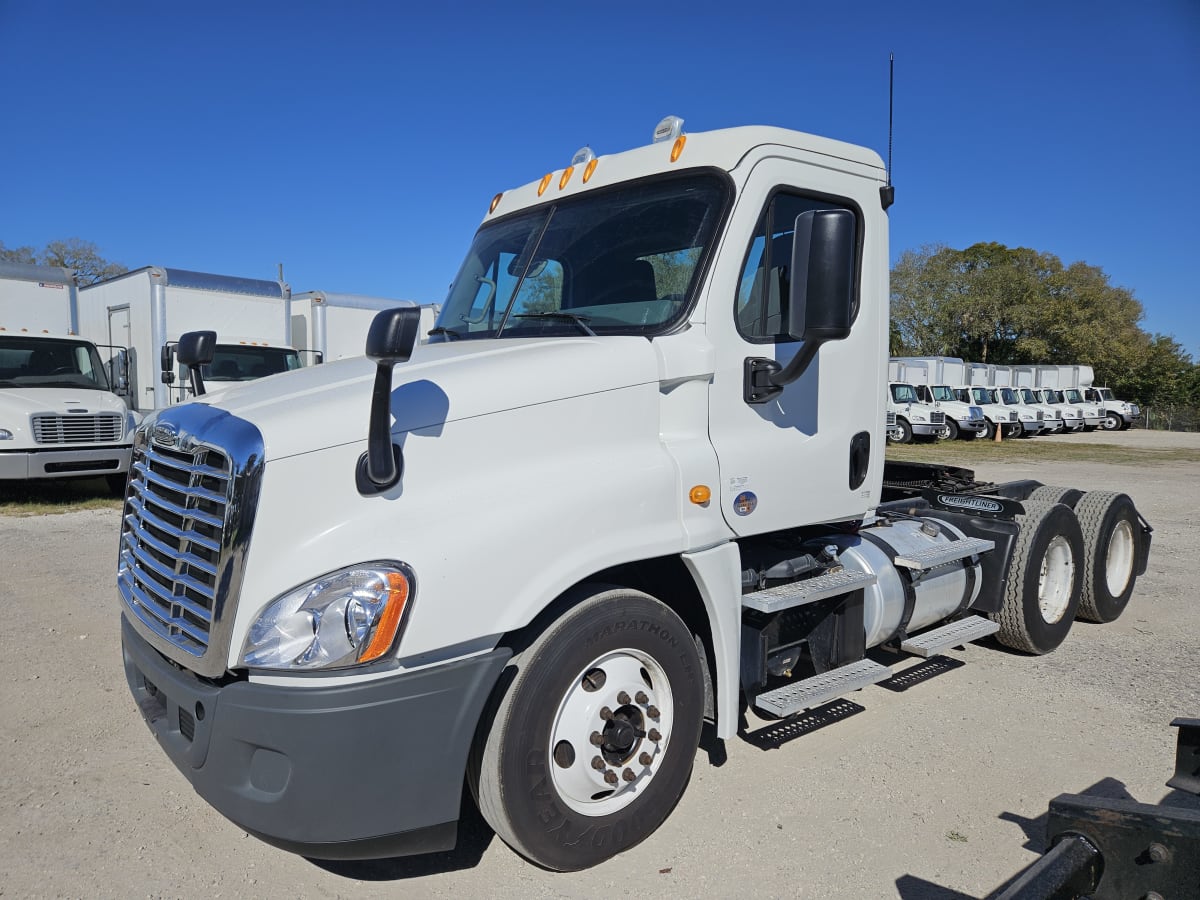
(821, 300)
(196, 348)
(393, 334)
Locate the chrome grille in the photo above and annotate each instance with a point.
(1040, 415)
(937, 418)
(891, 419)
(171, 540)
(51, 428)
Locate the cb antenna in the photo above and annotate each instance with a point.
(887, 193)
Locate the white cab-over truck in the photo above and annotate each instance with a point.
(332, 325)
(623, 492)
(59, 417)
(148, 309)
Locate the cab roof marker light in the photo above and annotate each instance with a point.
(545, 183)
(668, 129)
(588, 170)
(678, 147)
(495, 203)
(566, 176)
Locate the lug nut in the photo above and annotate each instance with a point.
(654, 734)
(610, 777)
(597, 764)
(596, 738)
(623, 698)
(641, 698)
(605, 713)
(628, 775)
(652, 712)
(645, 759)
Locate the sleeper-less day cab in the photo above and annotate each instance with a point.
(620, 490)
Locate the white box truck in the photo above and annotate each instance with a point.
(149, 308)
(624, 491)
(913, 415)
(964, 419)
(1042, 419)
(59, 417)
(329, 326)
(1118, 414)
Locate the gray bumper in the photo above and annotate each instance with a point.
(360, 771)
(978, 426)
(69, 463)
(926, 430)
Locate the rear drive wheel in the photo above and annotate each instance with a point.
(1112, 422)
(591, 744)
(1044, 580)
(1110, 543)
(1053, 493)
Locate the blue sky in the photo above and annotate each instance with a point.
(360, 143)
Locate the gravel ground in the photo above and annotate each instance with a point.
(938, 791)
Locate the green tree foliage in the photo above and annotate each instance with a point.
(83, 257)
(1010, 306)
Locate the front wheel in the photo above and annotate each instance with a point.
(901, 432)
(591, 744)
(989, 429)
(1112, 422)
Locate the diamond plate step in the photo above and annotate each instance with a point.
(940, 554)
(801, 695)
(797, 593)
(963, 631)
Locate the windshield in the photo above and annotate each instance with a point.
(1052, 397)
(245, 362)
(941, 392)
(982, 395)
(962, 395)
(621, 261)
(904, 393)
(1008, 395)
(1073, 395)
(1105, 393)
(28, 362)
(1028, 395)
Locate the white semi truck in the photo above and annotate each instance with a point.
(332, 325)
(59, 417)
(148, 309)
(620, 493)
(964, 420)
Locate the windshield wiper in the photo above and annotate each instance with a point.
(575, 318)
(449, 332)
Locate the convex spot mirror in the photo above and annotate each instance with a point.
(821, 298)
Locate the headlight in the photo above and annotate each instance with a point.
(5, 434)
(348, 617)
(917, 417)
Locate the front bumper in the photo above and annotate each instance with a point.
(356, 771)
(1030, 427)
(975, 426)
(82, 462)
(926, 430)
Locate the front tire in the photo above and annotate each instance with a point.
(1112, 422)
(953, 432)
(1044, 581)
(1110, 527)
(901, 432)
(592, 742)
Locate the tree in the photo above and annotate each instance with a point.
(83, 257)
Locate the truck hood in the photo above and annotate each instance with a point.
(28, 401)
(329, 405)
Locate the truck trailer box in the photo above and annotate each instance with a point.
(327, 326)
(151, 307)
(59, 416)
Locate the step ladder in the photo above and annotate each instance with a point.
(941, 554)
(797, 593)
(802, 695)
(963, 631)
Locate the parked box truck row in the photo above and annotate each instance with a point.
(620, 492)
(59, 417)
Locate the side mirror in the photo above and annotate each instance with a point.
(166, 361)
(196, 349)
(390, 340)
(820, 298)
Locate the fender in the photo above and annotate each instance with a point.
(716, 572)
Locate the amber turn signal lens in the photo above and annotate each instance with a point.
(678, 147)
(700, 494)
(385, 631)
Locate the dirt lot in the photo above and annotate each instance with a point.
(937, 791)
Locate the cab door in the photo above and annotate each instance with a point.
(813, 453)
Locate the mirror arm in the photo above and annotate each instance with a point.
(765, 378)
